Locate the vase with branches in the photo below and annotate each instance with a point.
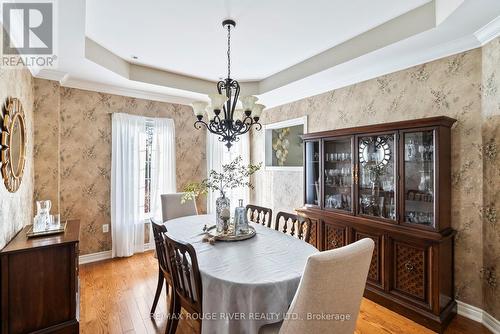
(233, 175)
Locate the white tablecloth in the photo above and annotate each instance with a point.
(254, 279)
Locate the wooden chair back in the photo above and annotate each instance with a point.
(259, 215)
(294, 225)
(183, 265)
(159, 231)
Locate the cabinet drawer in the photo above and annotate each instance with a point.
(375, 273)
(334, 236)
(410, 274)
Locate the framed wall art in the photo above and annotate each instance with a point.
(283, 144)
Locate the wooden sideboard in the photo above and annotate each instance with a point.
(39, 283)
(392, 183)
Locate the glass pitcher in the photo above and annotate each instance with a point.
(42, 219)
(43, 207)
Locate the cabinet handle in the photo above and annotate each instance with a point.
(334, 243)
(409, 266)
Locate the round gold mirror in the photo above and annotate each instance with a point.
(13, 144)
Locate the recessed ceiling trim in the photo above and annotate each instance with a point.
(105, 58)
(413, 22)
(409, 24)
(489, 31)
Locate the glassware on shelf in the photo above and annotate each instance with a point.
(337, 174)
(381, 207)
(312, 172)
(419, 178)
(425, 182)
(376, 165)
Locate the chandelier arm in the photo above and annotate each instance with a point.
(200, 124)
(236, 86)
(221, 86)
(238, 126)
(248, 120)
(213, 128)
(258, 126)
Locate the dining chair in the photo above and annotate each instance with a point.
(187, 290)
(293, 225)
(172, 206)
(259, 215)
(164, 274)
(332, 284)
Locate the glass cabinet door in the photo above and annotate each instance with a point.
(419, 177)
(376, 176)
(312, 176)
(337, 174)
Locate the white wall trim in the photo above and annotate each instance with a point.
(66, 81)
(106, 255)
(94, 257)
(117, 90)
(490, 31)
(50, 75)
(479, 315)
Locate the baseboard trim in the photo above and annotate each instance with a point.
(106, 255)
(94, 257)
(479, 315)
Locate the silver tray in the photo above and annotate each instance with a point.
(31, 234)
(229, 236)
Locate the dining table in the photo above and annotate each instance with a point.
(245, 284)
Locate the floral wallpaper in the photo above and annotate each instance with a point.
(462, 86)
(73, 153)
(16, 209)
(490, 272)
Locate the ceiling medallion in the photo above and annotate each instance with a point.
(223, 118)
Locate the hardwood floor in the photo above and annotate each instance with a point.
(116, 296)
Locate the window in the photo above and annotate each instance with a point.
(218, 155)
(142, 168)
(146, 169)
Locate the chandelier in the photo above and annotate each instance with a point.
(223, 118)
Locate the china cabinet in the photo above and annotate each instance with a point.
(391, 183)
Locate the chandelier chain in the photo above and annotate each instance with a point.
(229, 51)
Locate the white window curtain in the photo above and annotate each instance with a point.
(127, 220)
(218, 155)
(163, 175)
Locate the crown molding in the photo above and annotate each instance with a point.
(53, 75)
(379, 68)
(288, 94)
(489, 32)
(117, 90)
(66, 81)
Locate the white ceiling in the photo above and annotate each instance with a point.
(187, 37)
(293, 48)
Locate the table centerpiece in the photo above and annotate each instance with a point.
(233, 175)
